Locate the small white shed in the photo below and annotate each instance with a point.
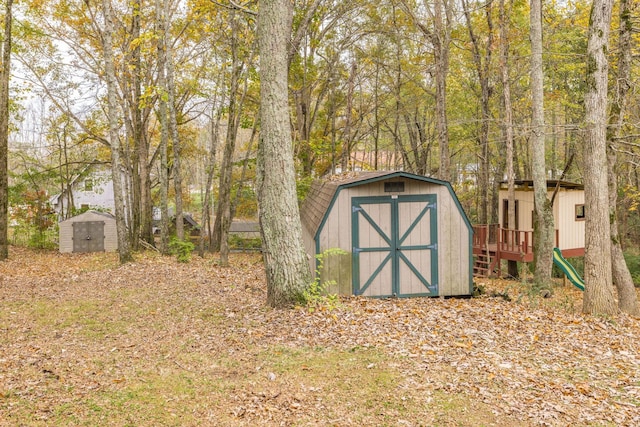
(90, 231)
(401, 235)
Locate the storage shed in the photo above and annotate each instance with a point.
(90, 231)
(400, 234)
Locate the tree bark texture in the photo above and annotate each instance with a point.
(544, 227)
(627, 296)
(164, 129)
(286, 263)
(599, 292)
(5, 71)
(508, 129)
(173, 125)
(442, 40)
(482, 64)
(112, 113)
(223, 211)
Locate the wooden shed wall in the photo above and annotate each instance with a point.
(454, 257)
(65, 237)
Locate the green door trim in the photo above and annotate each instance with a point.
(395, 249)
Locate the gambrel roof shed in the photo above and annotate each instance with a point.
(401, 235)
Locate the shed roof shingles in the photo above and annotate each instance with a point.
(321, 194)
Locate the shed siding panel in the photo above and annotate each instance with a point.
(309, 246)
(66, 238)
(336, 233)
(453, 250)
(110, 236)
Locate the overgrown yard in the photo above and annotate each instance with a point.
(84, 341)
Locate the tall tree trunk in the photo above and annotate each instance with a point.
(442, 40)
(5, 71)
(508, 128)
(223, 211)
(112, 111)
(210, 169)
(482, 70)
(627, 296)
(347, 136)
(164, 130)
(5, 74)
(286, 264)
(544, 227)
(173, 124)
(142, 179)
(599, 292)
(245, 165)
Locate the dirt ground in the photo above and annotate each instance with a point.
(85, 341)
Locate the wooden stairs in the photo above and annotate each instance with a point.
(484, 265)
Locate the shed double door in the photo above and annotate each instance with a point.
(88, 236)
(395, 245)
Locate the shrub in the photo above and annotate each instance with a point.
(316, 295)
(181, 249)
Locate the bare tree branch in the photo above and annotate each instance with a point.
(235, 6)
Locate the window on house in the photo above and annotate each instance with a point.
(88, 185)
(579, 212)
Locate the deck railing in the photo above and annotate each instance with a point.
(503, 240)
(485, 234)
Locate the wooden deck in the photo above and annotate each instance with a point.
(492, 244)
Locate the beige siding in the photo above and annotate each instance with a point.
(571, 230)
(453, 247)
(453, 240)
(310, 246)
(66, 231)
(65, 238)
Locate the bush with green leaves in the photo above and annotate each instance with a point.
(316, 296)
(632, 257)
(244, 243)
(182, 249)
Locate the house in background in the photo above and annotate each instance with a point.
(495, 242)
(90, 189)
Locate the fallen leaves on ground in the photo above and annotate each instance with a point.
(114, 327)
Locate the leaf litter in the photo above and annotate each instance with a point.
(80, 333)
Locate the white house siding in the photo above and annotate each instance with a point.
(101, 196)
